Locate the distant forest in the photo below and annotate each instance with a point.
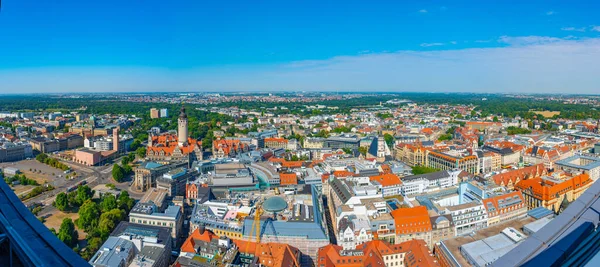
(495, 104)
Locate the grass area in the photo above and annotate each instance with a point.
(56, 219)
(38, 177)
(19, 189)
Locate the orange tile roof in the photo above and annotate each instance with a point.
(388, 179)
(411, 220)
(288, 179)
(276, 139)
(419, 254)
(374, 252)
(339, 174)
(270, 254)
(195, 237)
(547, 190)
(228, 144)
(292, 164)
(329, 256)
(386, 168)
(493, 201)
(520, 174)
(168, 143)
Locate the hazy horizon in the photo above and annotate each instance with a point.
(434, 46)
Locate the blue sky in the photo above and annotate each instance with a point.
(475, 46)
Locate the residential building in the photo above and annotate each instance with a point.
(353, 231)
(154, 113)
(114, 252)
(422, 183)
(13, 151)
(412, 223)
(552, 192)
(153, 243)
(288, 179)
(276, 142)
(378, 253)
(506, 207)
(342, 141)
(175, 180)
(205, 244)
(510, 178)
(468, 217)
(268, 254)
(228, 148)
(444, 161)
(389, 184)
(489, 161)
(442, 228)
(148, 214)
(313, 143)
(589, 164)
(147, 174)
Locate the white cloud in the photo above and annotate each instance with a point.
(431, 44)
(595, 28)
(550, 13)
(529, 64)
(573, 29)
(528, 40)
(423, 11)
(453, 42)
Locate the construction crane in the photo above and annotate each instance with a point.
(255, 225)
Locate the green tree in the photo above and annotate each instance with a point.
(495, 119)
(84, 193)
(67, 233)
(109, 202)
(135, 145)
(118, 173)
(127, 170)
(363, 150)
(125, 202)
(389, 139)
(141, 152)
(89, 214)
(109, 220)
(444, 137)
(62, 201)
(423, 169)
(72, 198)
(512, 130)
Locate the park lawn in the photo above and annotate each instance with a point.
(56, 219)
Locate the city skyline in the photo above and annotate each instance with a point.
(433, 46)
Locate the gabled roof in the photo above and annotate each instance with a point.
(520, 174)
(191, 242)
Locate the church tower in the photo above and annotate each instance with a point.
(182, 127)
